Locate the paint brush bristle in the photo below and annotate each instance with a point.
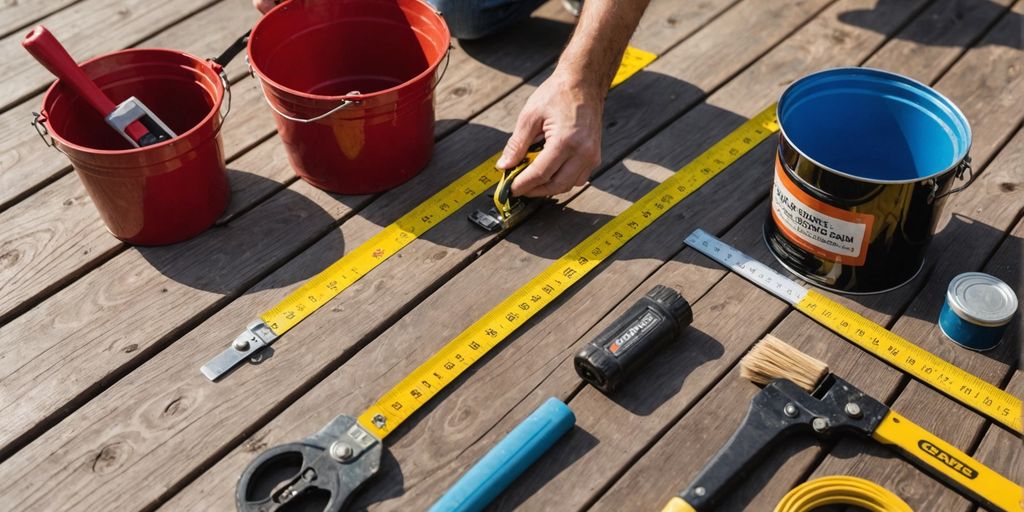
(772, 358)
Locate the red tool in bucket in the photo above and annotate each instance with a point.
(351, 84)
(153, 164)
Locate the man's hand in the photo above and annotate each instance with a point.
(264, 5)
(567, 115)
(566, 109)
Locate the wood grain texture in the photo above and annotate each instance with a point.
(51, 246)
(267, 158)
(16, 14)
(113, 358)
(935, 412)
(994, 202)
(87, 29)
(399, 202)
(463, 416)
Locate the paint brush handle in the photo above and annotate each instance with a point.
(508, 459)
(46, 49)
(946, 462)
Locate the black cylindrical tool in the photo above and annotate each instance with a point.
(653, 321)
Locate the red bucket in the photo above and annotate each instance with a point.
(351, 84)
(158, 194)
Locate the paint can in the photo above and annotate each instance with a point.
(977, 311)
(866, 159)
(158, 194)
(351, 85)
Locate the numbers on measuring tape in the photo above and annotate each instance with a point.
(904, 355)
(518, 308)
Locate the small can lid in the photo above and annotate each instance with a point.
(981, 299)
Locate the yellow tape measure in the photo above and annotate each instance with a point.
(340, 275)
(469, 346)
(898, 352)
(333, 280)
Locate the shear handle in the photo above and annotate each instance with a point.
(781, 409)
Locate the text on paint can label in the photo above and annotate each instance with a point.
(822, 229)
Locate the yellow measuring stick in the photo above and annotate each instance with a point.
(895, 350)
(326, 285)
(460, 353)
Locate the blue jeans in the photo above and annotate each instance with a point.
(472, 19)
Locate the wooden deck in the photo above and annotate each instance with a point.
(102, 406)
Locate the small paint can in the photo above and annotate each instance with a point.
(977, 310)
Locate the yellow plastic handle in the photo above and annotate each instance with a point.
(677, 504)
(947, 461)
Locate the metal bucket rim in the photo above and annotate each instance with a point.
(431, 68)
(214, 109)
(888, 74)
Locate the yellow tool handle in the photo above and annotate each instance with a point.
(938, 373)
(341, 274)
(841, 490)
(946, 461)
(459, 354)
(677, 504)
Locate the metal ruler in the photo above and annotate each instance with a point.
(326, 285)
(898, 352)
(460, 353)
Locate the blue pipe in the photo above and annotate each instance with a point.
(508, 459)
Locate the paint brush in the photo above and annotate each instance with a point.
(800, 395)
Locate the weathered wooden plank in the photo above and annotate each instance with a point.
(56, 234)
(16, 14)
(87, 29)
(984, 83)
(23, 363)
(698, 435)
(451, 430)
(556, 492)
(705, 428)
(431, 256)
(933, 411)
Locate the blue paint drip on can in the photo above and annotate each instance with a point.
(977, 310)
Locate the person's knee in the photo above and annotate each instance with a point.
(467, 19)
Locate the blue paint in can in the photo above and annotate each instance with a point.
(977, 310)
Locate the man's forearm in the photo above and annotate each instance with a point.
(596, 47)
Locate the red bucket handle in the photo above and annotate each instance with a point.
(343, 104)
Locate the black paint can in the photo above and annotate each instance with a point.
(865, 161)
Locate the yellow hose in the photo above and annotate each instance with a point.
(841, 490)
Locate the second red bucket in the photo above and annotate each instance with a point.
(351, 84)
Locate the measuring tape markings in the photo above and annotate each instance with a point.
(333, 280)
(469, 346)
(898, 352)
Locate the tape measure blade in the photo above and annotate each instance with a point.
(941, 375)
(495, 326)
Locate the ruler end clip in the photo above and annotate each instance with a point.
(253, 339)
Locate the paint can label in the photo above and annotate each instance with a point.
(824, 230)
